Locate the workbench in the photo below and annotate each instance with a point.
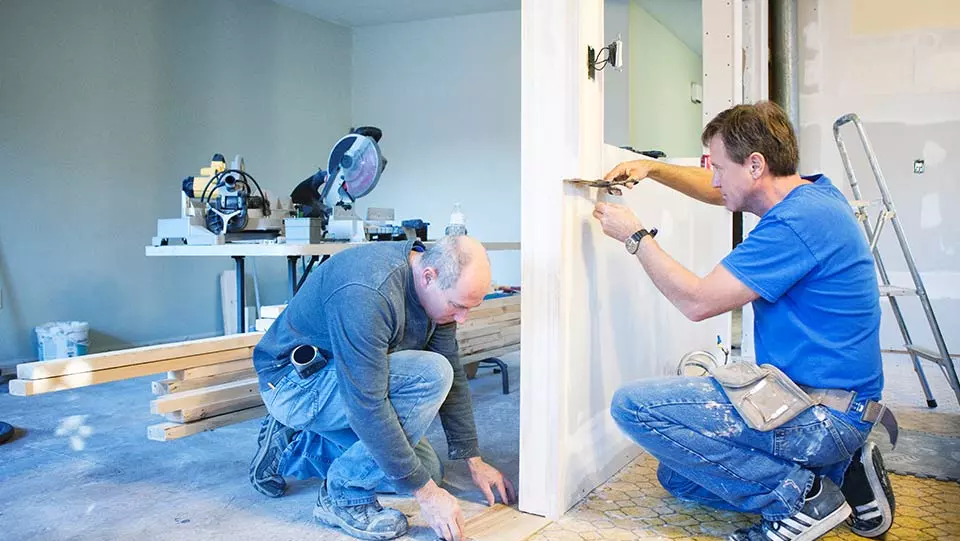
(317, 254)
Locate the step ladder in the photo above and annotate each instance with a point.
(888, 214)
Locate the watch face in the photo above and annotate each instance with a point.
(631, 244)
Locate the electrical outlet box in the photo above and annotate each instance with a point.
(918, 167)
(616, 53)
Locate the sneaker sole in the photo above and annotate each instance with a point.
(261, 454)
(333, 521)
(881, 494)
(831, 521)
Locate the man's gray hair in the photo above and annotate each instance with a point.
(448, 259)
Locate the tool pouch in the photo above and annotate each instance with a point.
(763, 395)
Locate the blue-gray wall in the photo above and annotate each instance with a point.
(105, 105)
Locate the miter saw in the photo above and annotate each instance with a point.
(354, 168)
(222, 204)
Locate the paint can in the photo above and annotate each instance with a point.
(62, 339)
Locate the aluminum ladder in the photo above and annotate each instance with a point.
(941, 357)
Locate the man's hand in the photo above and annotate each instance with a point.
(486, 476)
(638, 169)
(618, 221)
(441, 511)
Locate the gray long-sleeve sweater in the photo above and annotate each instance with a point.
(357, 308)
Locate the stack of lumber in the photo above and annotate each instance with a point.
(267, 316)
(491, 330)
(74, 372)
(205, 398)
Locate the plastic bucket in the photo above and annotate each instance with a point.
(60, 339)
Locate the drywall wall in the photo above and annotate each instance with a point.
(661, 69)
(899, 70)
(592, 319)
(104, 107)
(446, 93)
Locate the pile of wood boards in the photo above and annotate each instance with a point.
(205, 398)
(267, 316)
(74, 372)
(491, 330)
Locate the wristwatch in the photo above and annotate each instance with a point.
(633, 241)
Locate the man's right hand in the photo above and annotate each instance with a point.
(636, 169)
(441, 511)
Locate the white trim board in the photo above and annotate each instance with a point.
(592, 320)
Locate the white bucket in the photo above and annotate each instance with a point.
(60, 339)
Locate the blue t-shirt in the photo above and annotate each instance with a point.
(818, 315)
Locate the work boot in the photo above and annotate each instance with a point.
(367, 521)
(265, 468)
(6, 432)
(867, 489)
(823, 509)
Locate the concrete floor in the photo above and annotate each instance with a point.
(82, 469)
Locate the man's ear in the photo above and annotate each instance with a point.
(757, 164)
(429, 274)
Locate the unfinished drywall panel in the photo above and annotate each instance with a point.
(592, 320)
(898, 70)
(880, 17)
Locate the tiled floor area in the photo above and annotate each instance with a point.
(632, 505)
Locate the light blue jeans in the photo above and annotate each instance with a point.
(326, 447)
(709, 455)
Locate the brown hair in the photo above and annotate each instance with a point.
(763, 128)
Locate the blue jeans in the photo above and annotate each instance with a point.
(709, 455)
(325, 446)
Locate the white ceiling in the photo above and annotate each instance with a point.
(681, 17)
(353, 13)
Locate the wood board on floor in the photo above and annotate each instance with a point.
(503, 523)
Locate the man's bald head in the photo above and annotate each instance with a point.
(453, 276)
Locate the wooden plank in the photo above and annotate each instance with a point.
(500, 334)
(228, 301)
(485, 330)
(172, 385)
(487, 348)
(500, 301)
(489, 354)
(212, 410)
(207, 395)
(262, 324)
(486, 322)
(133, 356)
(27, 387)
(483, 311)
(502, 523)
(271, 311)
(172, 431)
(201, 372)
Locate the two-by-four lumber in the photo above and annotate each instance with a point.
(211, 370)
(207, 395)
(489, 354)
(173, 385)
(212, 410)
(133, 356)
(172, 431)
(472, 324)
(26, 387)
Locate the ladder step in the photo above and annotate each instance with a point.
(925, 353)
(896, 291)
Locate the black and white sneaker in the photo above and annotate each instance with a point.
(869, 493)
(823, 510)
(265, 467)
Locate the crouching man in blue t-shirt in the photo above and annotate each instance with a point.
(808, 271)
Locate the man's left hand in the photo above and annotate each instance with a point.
(618, 221)
(486, 476)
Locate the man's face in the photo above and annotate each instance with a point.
(733, 179)
(452, 304)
